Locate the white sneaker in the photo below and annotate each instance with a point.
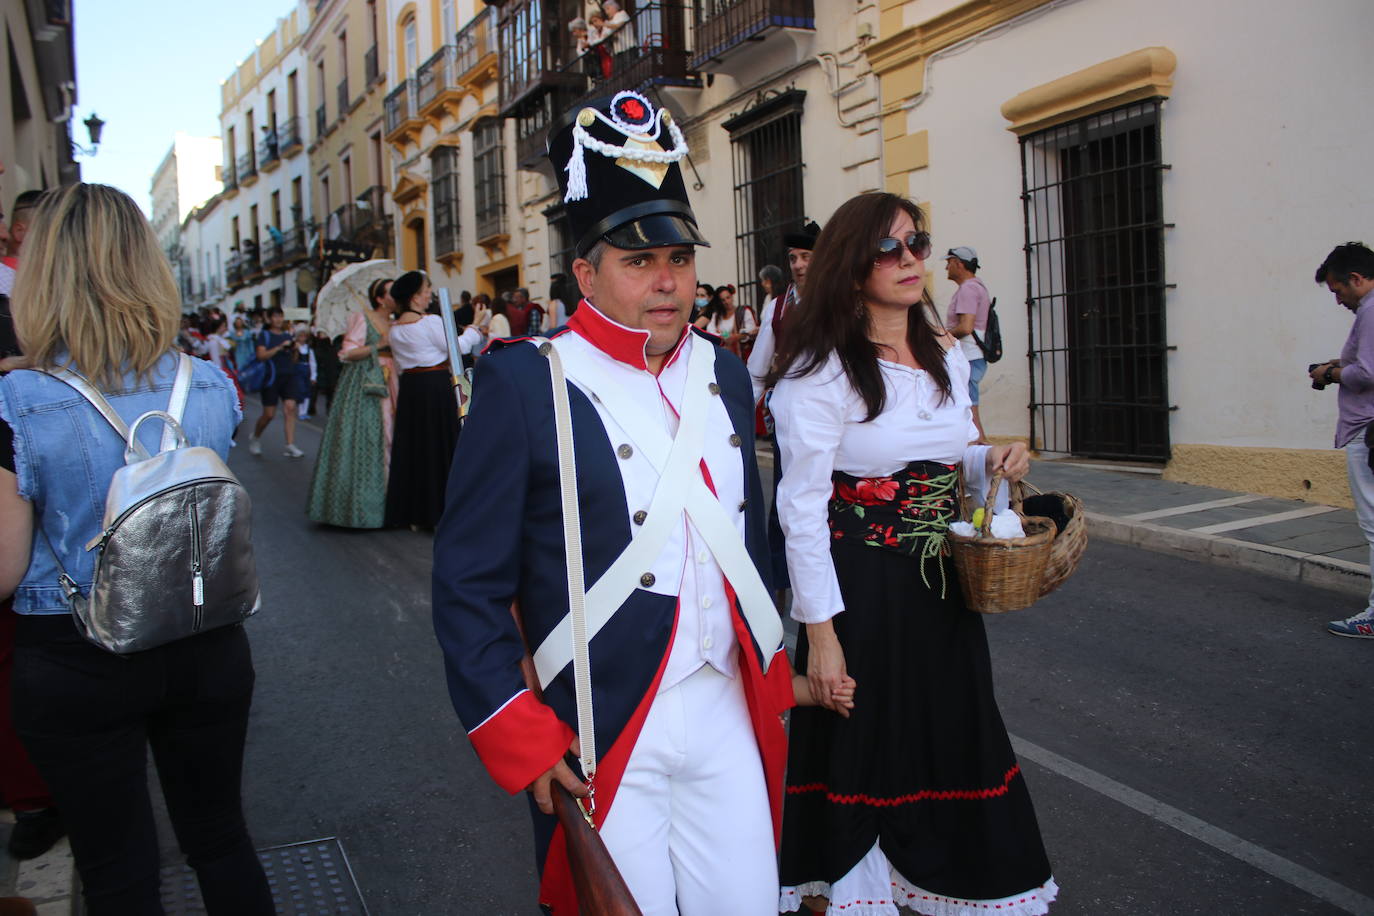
(254, 446)
(293, 452)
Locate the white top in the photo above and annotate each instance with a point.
(220, 348)
(423, 343)
(761, 357)
(723, 327)
(820, 430)
(7, 274)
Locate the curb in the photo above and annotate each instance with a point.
(1316, 570)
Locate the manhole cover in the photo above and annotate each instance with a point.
(306, 878)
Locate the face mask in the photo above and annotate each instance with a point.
(700, 303)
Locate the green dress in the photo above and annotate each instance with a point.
(348, 486)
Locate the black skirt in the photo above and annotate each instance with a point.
(923, 766)
(422, 443)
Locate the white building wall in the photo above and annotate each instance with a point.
(1269, 159)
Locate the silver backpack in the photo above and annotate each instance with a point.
(175, 553)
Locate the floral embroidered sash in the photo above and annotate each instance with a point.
(908, 512)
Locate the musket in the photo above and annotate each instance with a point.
(455, 358)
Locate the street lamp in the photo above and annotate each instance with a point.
(93, 128)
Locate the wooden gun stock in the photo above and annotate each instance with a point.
(601, 891)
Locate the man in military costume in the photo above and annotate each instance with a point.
(688, 674)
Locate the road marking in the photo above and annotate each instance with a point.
(1265, 519)
(1193, 507)
(1291, 873)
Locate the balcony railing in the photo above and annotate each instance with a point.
(371, 72)
(722, 25)
(401, 110)
(250, 260)
(340, 223)
(233, 272)
(435, 78)
(320, 121)
(369, 213)
(344, 99)
(475, 41)
(271, 254)
(247, 169)
(229, 176)
(289, 135)
(652, 50)
(268, 151)
(293, 249)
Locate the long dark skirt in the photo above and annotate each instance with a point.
(421, 448)
(923, 766)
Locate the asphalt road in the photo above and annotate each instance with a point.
(1192, 739)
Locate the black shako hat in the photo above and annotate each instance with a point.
(805, 237)
(617, 165)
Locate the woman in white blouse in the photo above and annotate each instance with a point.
(426, 428)
(913, 797)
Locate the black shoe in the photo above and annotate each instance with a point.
(35, 832)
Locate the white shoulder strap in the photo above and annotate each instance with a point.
(572, 549)
(181, 388)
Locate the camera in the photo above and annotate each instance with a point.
(1316, 385)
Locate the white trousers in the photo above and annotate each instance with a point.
(1362, 489)
(690, 827)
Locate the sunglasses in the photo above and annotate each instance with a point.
(890, 249)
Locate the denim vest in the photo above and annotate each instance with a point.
(65, 454)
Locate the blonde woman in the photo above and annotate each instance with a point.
(94, 293)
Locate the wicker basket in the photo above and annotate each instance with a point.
(1069, 544)
(997, 574)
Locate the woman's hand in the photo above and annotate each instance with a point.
(1011, 461)
(825, 670)
(480, 316)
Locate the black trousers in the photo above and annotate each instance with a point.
(88, 718)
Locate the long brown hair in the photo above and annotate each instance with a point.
(832, 317)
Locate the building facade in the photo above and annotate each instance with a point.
(189, 175)
(346, 51)
(266, 175)
(1124, 169)
(39, 61)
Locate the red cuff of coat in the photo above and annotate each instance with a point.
(520, 741)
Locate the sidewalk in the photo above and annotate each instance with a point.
(1303, 542)
(49, 880)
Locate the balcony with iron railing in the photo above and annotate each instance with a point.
(654, 49)
(371, 71)
(247, 169)
(476, 46)
(321, 122)
(233, 272)
(724, 25)
(344, 99)
(293, 249)
(289, 136)
(369, 211)
(269, 154)
(229, 177)
(403, 121)
(250, 260)
(271, 254)
(437, 90)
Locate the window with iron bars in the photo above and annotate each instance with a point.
(1095, 285)
(767, 168)
(443, 187)
(489, 178)
(562, 246)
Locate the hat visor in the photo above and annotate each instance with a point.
(656, 231)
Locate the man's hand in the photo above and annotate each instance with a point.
(1318, 373)
(542, 788)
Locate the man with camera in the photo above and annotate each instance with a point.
(1348, 272)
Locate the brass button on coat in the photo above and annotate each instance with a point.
(625, 451)
(640, 516)
(735, 440)
(647, 580)
(713, 388)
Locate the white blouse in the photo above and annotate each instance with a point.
(423, 343)
(820, 430)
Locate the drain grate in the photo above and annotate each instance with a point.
(309, 879)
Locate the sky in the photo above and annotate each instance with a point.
(150, 68)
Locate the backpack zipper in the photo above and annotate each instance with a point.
(197, 582)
